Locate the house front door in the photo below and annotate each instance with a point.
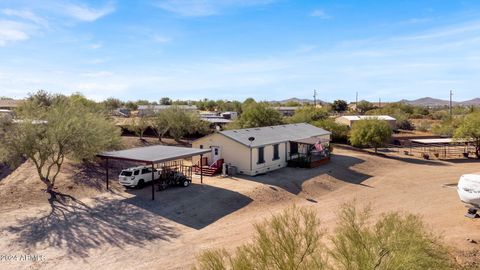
(216, 154)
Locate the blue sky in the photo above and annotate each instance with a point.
(234, 49)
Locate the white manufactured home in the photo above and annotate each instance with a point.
(259, 150)
(350, 120)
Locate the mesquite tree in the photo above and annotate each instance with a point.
(469, 129)
(370, 132)
(47, 134)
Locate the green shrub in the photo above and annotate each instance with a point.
(370, 132)
(292, 240)
(339, 131)
(423, 126)
(395, 241)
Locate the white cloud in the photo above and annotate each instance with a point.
(320, 13)
(98, 74)
(200, 8)
(95, 46)
(162, 39)
(26, 15)
(88, 14)
(11, 31)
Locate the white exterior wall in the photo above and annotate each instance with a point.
(238, 155)
(269, 164)
(232, 152)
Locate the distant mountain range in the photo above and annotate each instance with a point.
(434, 102)
(300, 100)
(426, 101)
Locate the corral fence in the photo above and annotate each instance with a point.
(429, 151)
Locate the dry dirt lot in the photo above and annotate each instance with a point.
(124, 229)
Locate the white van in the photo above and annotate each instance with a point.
(137, 176)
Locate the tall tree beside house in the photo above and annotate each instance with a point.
(131, 105)
(370, 132)
(47, 135)
(308, 114)
(339, 131)
(111, 104)
(364, 106)
(257, 115)
(178, 123)
(339, 105)
(139, 126)
(469, 129)
(43, 98)
(165, 101)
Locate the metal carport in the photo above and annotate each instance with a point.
(151, 155)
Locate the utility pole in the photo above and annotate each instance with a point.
(356, 99)
(379, 102)
(451, 94)
(314, 97)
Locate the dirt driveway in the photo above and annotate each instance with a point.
(125, 230)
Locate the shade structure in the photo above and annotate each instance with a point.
(311, 140)
(153, 155)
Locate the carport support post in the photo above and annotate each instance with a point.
(153, 183)
(201, 169)
(106, 167)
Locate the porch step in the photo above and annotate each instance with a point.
(207, 171)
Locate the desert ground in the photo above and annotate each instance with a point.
(92, 228)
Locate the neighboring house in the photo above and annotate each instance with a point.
(350, 120)
(149, 110)
(217, 120)
(216, 123)
(6, 114)
(9, 104)
(286, 111)
(259, 150)
(229, 115)
(121, 112)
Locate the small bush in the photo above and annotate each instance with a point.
(423, 126)
(394, 242)
(292, 240)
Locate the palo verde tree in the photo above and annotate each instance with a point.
(139, 126)
(48, 134)
(256, 115)
(364, 106)
(469, 129)
(339, 105)
(394, 241)
(308, 114)
(290, 240)
(370, 132)
(177, 123)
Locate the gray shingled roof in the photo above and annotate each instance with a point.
(155, 154)
(274, 134)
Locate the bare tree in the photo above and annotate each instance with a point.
(47, 135)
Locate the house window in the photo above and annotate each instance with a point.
(275, 152)
(293, 148)
(261, 155)
(201, 146)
